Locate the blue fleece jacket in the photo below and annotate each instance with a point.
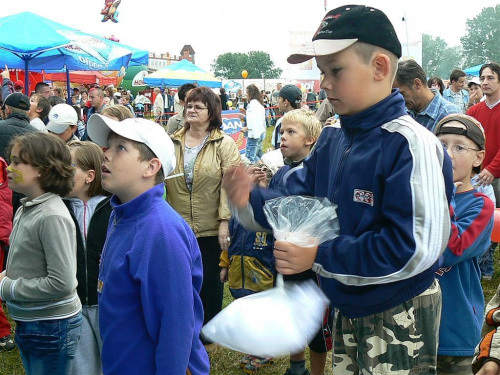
(150, 312)
(385, 173)
(460, 277)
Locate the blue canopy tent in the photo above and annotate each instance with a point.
(56, 47)
(179, 73)
(473, 70)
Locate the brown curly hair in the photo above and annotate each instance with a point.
(50, 155)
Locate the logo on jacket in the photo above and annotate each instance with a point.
(363, 196)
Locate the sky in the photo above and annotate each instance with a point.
(214, 27)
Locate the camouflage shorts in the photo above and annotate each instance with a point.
(402, 340)
(448, 365)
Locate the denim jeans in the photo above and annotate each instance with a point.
(253, 150)
(486, 263)
(47, 347)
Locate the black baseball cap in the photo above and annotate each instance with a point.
(346, 25)
(17, 100)
(291, 93)
(473, 129)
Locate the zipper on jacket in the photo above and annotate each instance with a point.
(85, 252)
(242, 260)
(340, 167)
(103, 254)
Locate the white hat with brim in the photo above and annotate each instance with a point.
(319, 47)
(136, 129)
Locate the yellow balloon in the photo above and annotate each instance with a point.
(244, 74)
(229, 103)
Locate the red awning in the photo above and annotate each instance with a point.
(82, 77)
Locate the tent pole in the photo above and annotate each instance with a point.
(26, 75)
(68, 87)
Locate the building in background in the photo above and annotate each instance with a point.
(160, 61)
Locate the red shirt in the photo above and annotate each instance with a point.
(490, 119)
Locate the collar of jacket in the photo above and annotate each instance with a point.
(215, 135)
(384, 111)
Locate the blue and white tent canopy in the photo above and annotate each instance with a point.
(179, 73)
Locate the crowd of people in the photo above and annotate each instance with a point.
(132, 226)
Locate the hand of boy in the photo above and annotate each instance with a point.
(238, 185)
(489, 368)
(292, 259)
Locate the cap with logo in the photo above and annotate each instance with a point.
(346, 25)
(61, 116)
(17, 100)
(136, 129)
(473, 129)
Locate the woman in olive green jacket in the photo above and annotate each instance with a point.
(203, 153)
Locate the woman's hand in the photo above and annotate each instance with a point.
(224, 238)
(223, 274)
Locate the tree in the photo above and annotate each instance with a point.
(438, 59)
(480, 44)
(258, 64)
(432, 50)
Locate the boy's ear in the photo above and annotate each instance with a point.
(39, 109)
(479, 158)
(154, 165)
(310, 141)
(382, 66)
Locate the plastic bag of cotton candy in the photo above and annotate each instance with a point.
(284, 319)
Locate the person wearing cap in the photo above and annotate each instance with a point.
(18, 86)
(63, 122)
(16, 109)
(289, 98)
(456, 92)
(390, 179)
(475, 93)
(471, 226)
(150, 311)
(426, 107)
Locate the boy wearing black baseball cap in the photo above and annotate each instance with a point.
(385, 173)
(289, 98)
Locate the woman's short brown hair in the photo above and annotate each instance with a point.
(50, 155)
(117, 111)
(212, 101)
(89, 156)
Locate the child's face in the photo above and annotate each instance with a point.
(295, 145)
(33, 104)
(122, 170)
(82, 180)
(346, 80)
(462, 153)
(23, 178)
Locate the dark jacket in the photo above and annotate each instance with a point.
(87, 270)
(15, 124)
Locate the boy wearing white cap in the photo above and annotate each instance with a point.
(150, 312)
(63, 122)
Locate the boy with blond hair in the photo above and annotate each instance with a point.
(385, 173)
(150, 275)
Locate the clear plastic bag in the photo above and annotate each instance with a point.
(286, 318)
(273, 160)
(304, 221)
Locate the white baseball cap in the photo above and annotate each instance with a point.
(136, 129)
(60, 117)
